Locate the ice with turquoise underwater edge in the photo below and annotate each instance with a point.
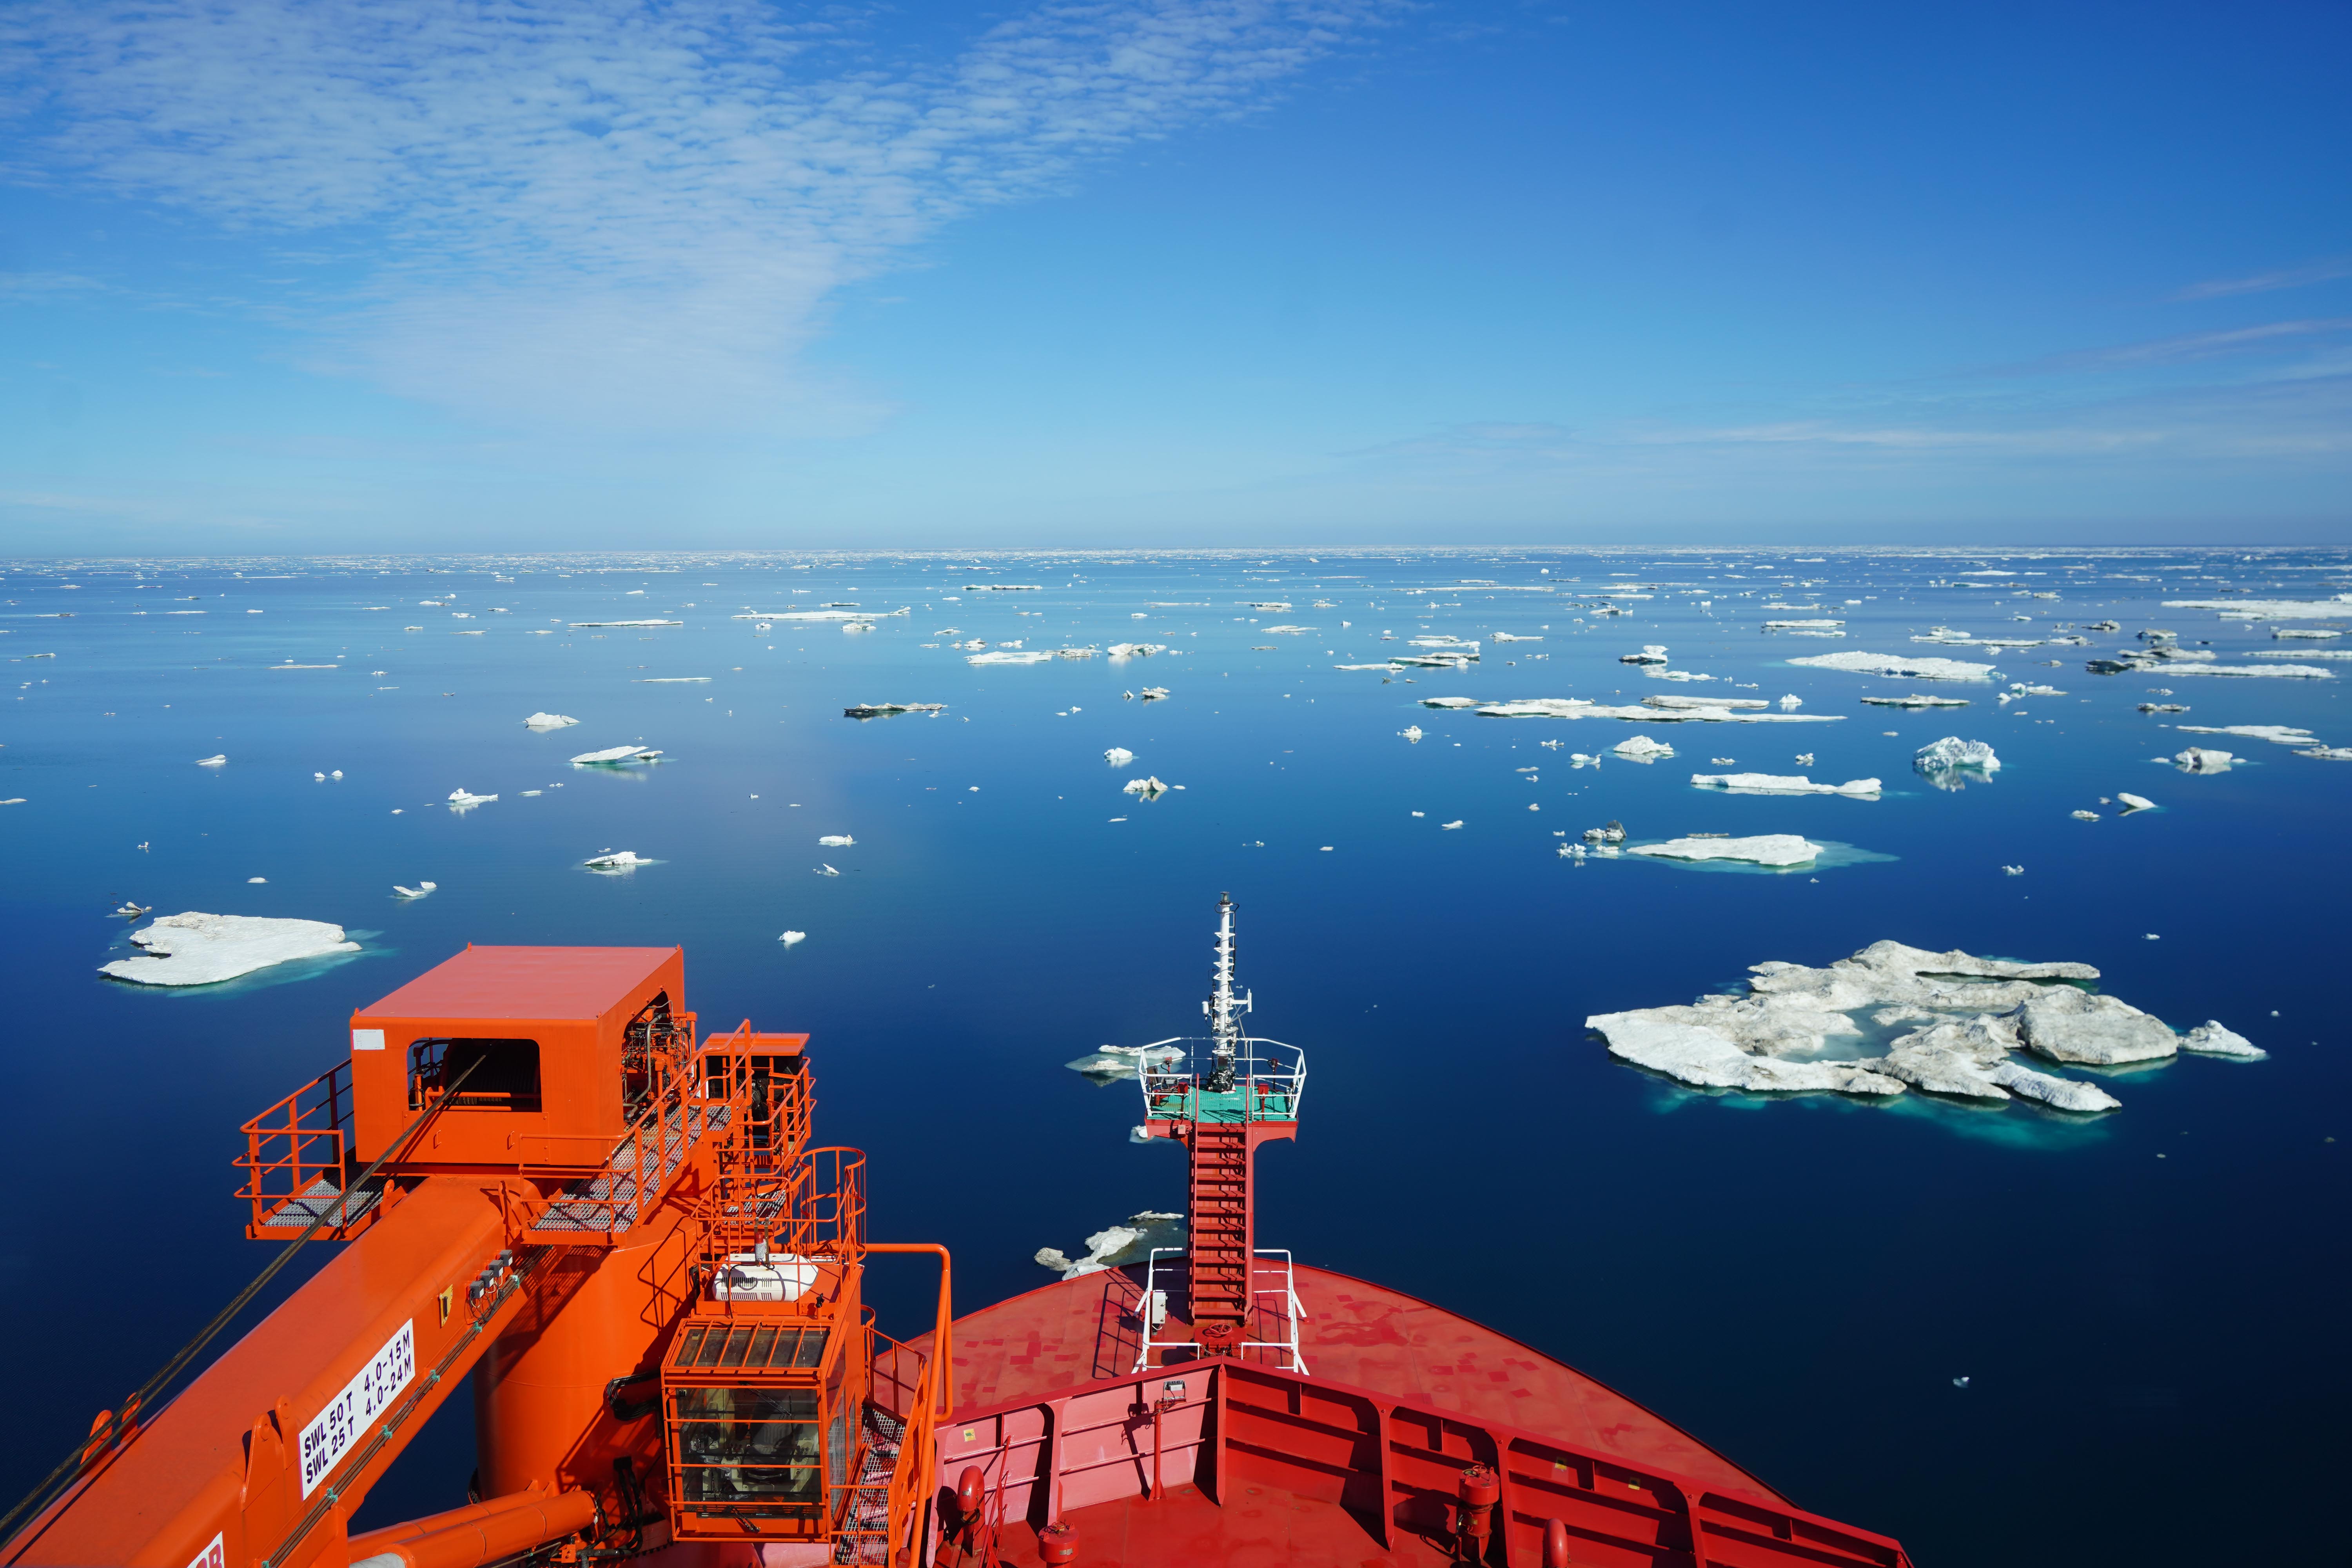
(2138, 1301)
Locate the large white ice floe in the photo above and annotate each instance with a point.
(551, 721)
(1779, 783)
(1972, 1015)
(1663, 709)
(1114, 1247)
(1951, 751)
(2337, 608)
(618, 754)
(2284, 671)
(1000, 656)
(823, 615)
(2276, 734)
(197, 948)
(1761, 849)
(1115, 1062)
(1909, 667)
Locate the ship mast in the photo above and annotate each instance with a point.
(1224, 1027)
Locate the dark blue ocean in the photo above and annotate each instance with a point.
(2149, 1307)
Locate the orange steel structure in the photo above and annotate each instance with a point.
(545, 1179)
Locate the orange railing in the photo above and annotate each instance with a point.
(815, 1208)
(931, 1396)
(298, 1149)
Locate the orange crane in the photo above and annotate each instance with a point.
(546, 1180)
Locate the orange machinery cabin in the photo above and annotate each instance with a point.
(621, 1230)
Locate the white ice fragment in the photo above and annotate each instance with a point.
(2203, 760)
(197, 948)
(1449, 827)
(462, 797)
(836, 841)
(618, 754)
(1776, 784)
(212, 761)
(549, 721)
(2085, 815)
(2062, 1093)
(1762, 849)
(1411, 732)
(2071, 1025)
(826, 870)
(793, 938)
(1791, 702)
(1860, 663)
(1951, 751)
(616, 860)
(2014, 870)
(1118, 756)
(2214, 1039)
(1033, 655)
(417, 891)
(2276, 734)
(1148, 788)
(2132, 803)
(1643, 749)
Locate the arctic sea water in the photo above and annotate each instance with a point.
(2145, 1306)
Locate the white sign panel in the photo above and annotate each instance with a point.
(367, 1039)
(213, 1556)
(348, 1416)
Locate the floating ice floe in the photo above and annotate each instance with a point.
(1135, 649)
(132, 911)
(2129, 664)
(2085, 815)
(793, 938)
(1643, 749)
(2164, 707)
(1113, 1247)
(1801, 626)
(1762, 849)
(198, 949)
(1153, 693)
(616, 860)
(618, 754)
(2276, 734)
(1776, 784)
(549, 721)
(1411, 732)
(1951, 751)
(1791, 702)
(884, 709)
(2013, 871)
(1148, 788)
(836, 841)
(2337, 608)
(1916, 700)
(2329, 753)
(2132, 803)
(826, 870)
(213, 762)
(1974, 1013)
(1652, 653)
(823, 615)
(1115, 1062)
(578, 626)
(2210, 1038)
(2315, 634)
(1650, 710)
(417, 891)
(462, 797)
(2303, 653)
(2204, 760)
(1000, 656)
(1508, 637)
(1909, 668)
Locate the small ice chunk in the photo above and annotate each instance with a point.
(212, 761)
(1777, 783)
(417, 891)
(1148, 788)
(1791, 702)
(1449, 827)
(793, 938)
(2132, 803)
(462, 796)
(2203, 760)
(826, 870)
(2214, 1039)
(1951, 751)
(198, 949)
(2085, 815)
(618, 754)
(1118, 756)
(616, 860)
(549, 721)
(2014, 870)
(1411, 732)
(836, 841)
(1643, 749)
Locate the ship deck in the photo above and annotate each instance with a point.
(1355, 1463)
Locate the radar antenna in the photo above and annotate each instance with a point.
(1225, 1028)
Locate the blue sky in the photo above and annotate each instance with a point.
(416, 274)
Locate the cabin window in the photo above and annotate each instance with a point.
(498, 1075)
(755, 1446)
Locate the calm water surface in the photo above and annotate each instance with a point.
(2149, 1305)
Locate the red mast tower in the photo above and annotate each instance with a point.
(1220, 1105)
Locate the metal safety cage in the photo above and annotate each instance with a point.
(297, 1159)
(1269, 1080)
(1285, 1313)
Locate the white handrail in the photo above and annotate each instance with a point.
(1289, 1291)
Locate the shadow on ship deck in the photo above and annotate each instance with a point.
(1362, 1453)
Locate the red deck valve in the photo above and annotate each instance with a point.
(971, 1487)
(1477, 1490)
(1058, 1542)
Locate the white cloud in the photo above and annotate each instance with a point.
(600, 213)
(2263, 282)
